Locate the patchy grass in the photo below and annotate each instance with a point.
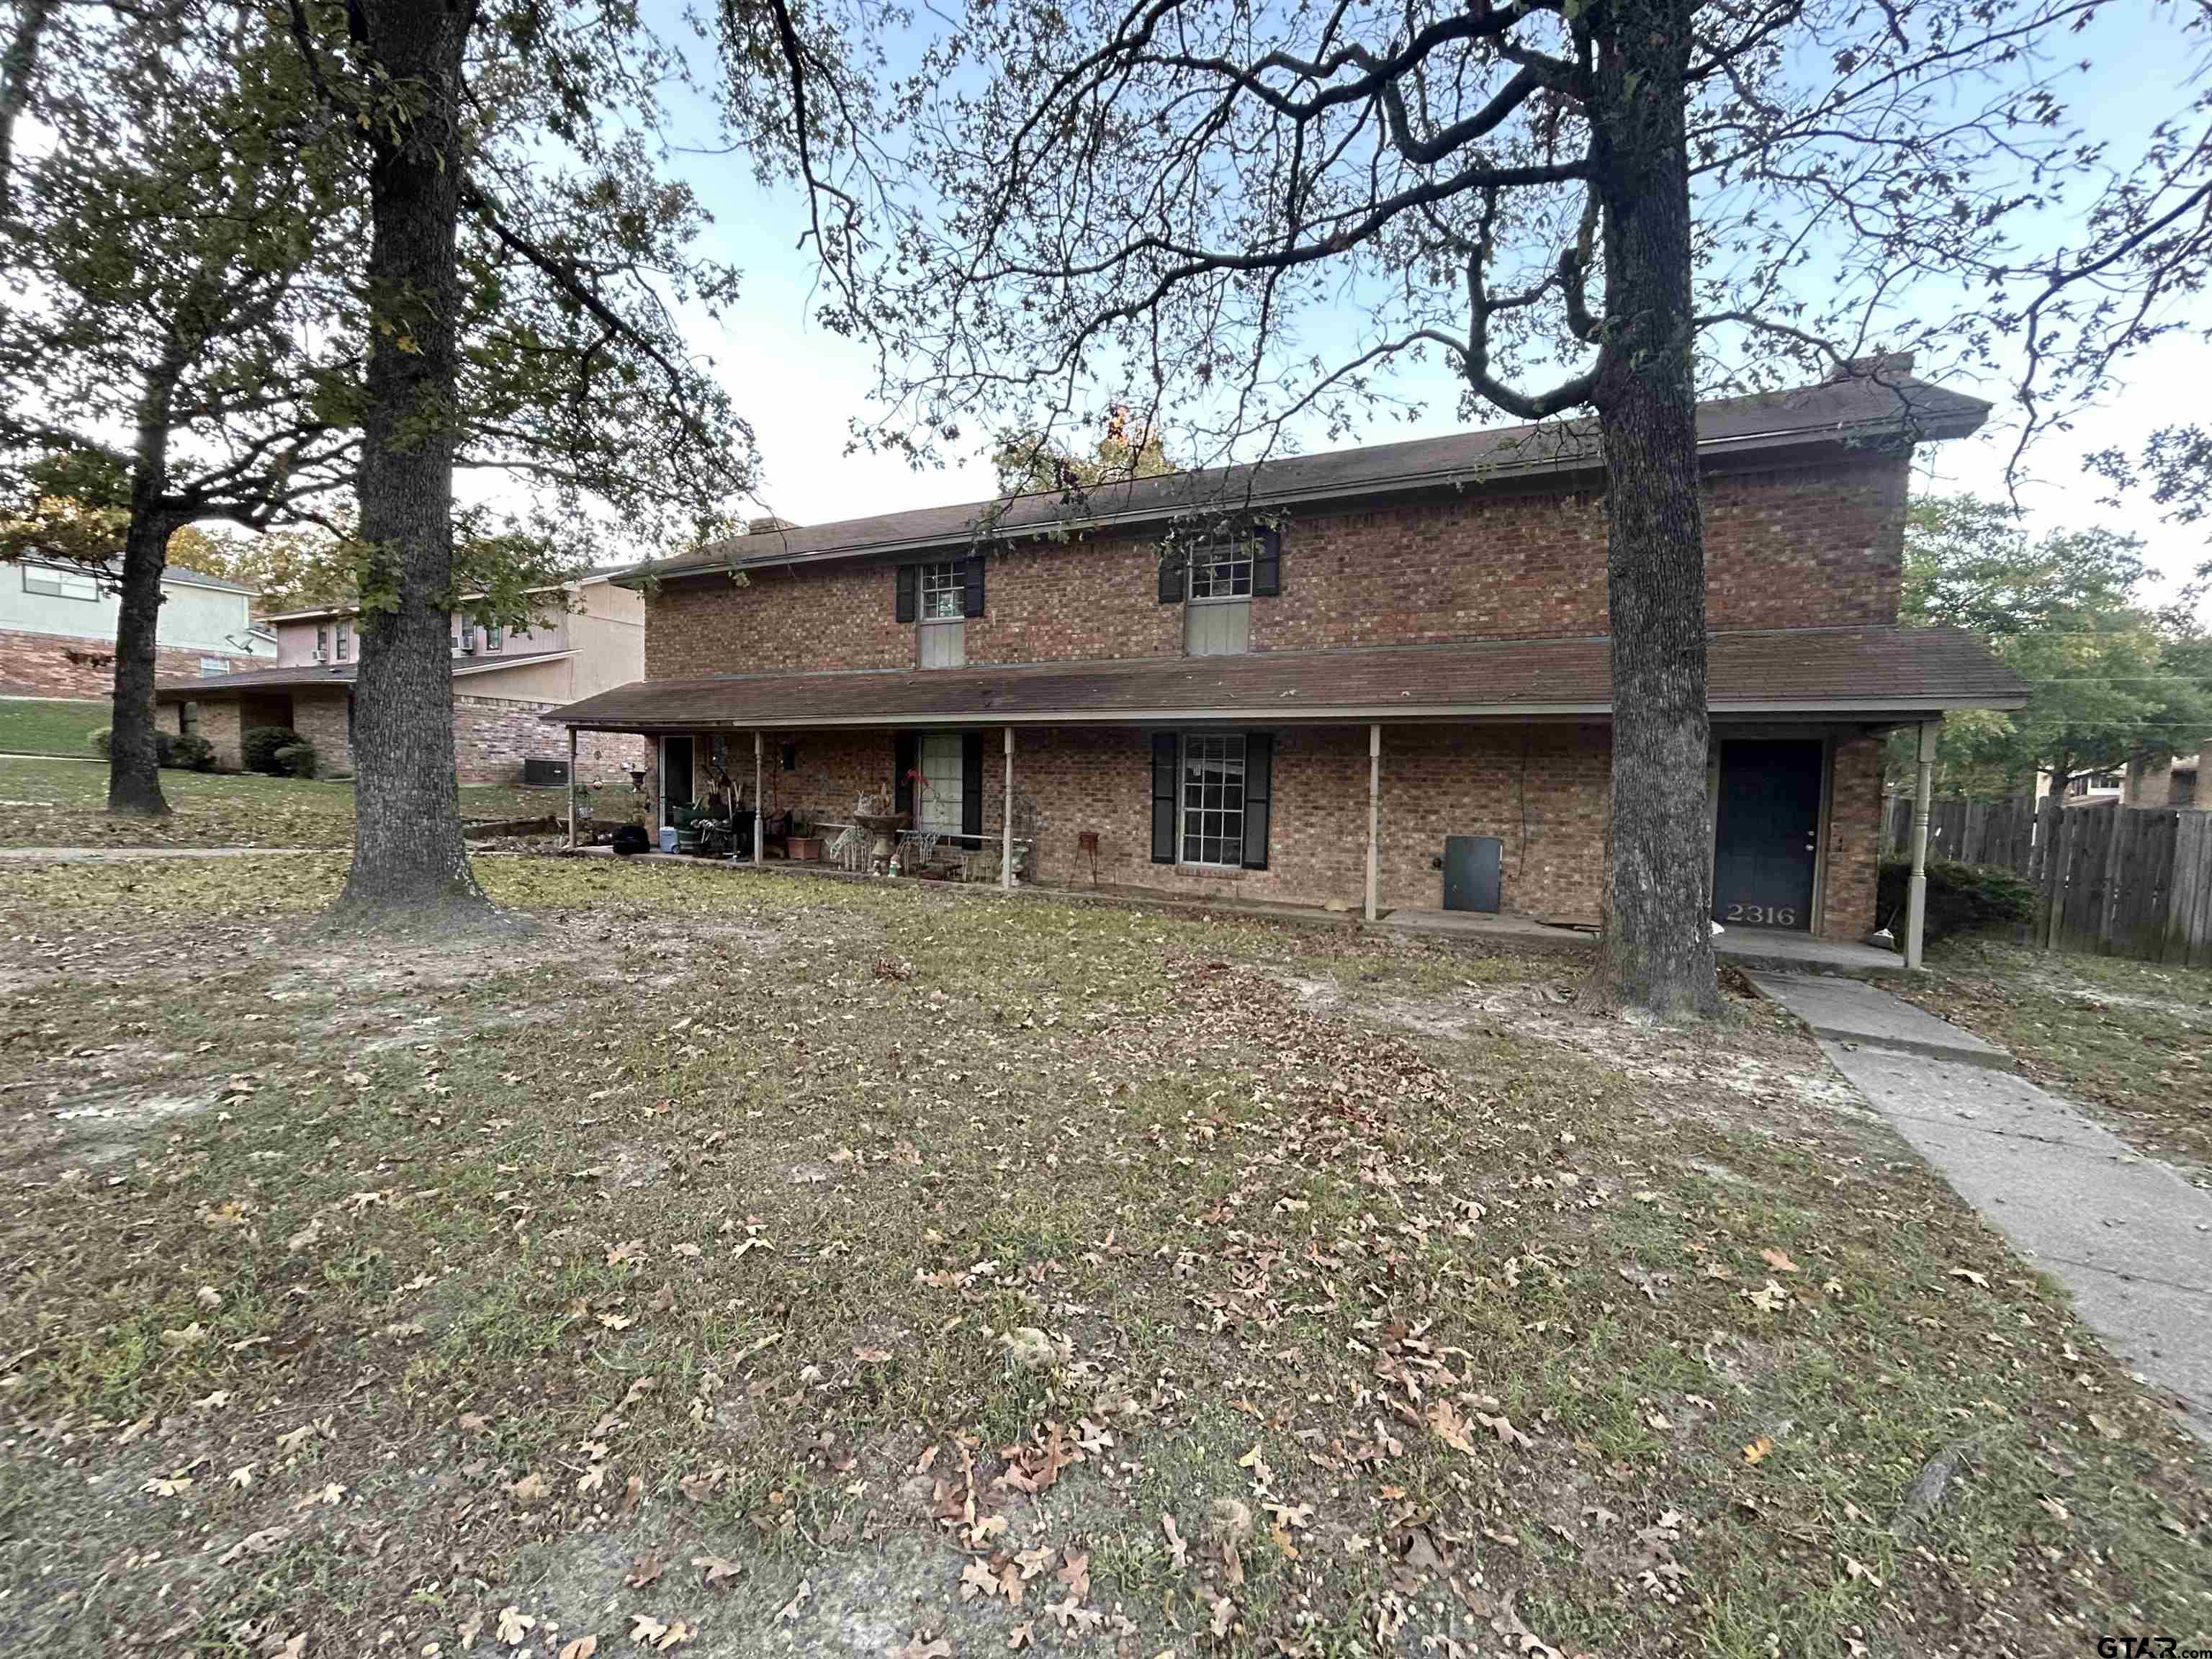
(2131, 1041)
(43, 726)
(44, 803)
(744, 1261)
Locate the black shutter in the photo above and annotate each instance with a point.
(974, 576)
(903, 752)
(904, 612)
(1268, 563)
(1171, 564)
(971, 780)
(1165, 766)
(1259, 795)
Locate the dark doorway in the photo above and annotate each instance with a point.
(1471, 872)
(1767, 839)
(675, 777)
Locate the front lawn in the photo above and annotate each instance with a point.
(2131, 1040)
(733, 1263)
(42, 725)
(44, 803)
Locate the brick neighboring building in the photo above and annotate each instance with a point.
(57, 629)
(590, 638)
(1198, 674)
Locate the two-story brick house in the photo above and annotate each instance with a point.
(587, 637)
(1328, 681)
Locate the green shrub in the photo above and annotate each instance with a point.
(297, 759)
(258, 745)
(1962, 898)
(189, 753)
(192, 754)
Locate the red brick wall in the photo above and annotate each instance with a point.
(1798, 547)
(1854, 850)
(492, 736)
(1542, 791)
(62, 666)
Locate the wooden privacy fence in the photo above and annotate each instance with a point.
(2128, 881)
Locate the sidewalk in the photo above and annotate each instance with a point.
(2124, 1233)
(135, 854)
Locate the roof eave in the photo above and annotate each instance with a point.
(1885, 709)
(1938, 426)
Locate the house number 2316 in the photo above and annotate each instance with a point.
(1771, 915)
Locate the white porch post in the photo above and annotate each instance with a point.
(572, 788)
(1374, 805)
(1006, 820)
(1916, 903)
(760, 852)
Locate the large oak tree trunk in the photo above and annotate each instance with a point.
(1657, 950)
(17, 63)
(408, 851)
(134, 775)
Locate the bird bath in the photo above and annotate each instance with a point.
(884, 826)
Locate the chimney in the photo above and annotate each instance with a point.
(1890, 365)
(763, 526)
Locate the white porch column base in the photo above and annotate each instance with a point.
(1916, 903)
(1006, 820)
(1374, 806)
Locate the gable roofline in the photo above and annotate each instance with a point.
(1873, 406)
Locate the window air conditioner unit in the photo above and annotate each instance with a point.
(469, 648)
(322, 656)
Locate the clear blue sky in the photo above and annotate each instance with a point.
(802, 385)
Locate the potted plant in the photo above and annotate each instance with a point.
(804, 845)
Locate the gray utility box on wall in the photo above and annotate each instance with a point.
(540, 773)
(1471, 871)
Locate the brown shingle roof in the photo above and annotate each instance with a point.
(1862, 411)
(332, 673)
(1864, 671)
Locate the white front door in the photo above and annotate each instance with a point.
(936, 803)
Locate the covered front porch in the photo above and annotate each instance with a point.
(1469, 779)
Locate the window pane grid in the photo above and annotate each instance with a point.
(1222, 571)
(1213, 799)
(943, 592)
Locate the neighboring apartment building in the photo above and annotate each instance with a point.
(1212, 684)
(589, 637)
(2170, 783)
(58, 628)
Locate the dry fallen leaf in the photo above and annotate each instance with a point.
(582, 1648)
(529, 1489)
(717, 1568)
(1176, 1547)
(514, 1624)
(1759, 1448)
(1777, 1260)
(643, 1571)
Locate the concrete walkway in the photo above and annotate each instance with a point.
(1748, 947)
(135, 854)
(2125, 1234)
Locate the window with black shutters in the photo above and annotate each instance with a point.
(1212, 798)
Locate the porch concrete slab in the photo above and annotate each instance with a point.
(1852, 1012)
(1748, 948)
(2127, 1235)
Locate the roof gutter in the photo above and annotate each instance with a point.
(1347, 714)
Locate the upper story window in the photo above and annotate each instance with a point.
(468, 635)
(943, 592)
(212, 666)
(345, 641)
(1216, 576)
(322, 641)
(494, 634)
(59, 584)
(1222, 570)
(938, 597)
